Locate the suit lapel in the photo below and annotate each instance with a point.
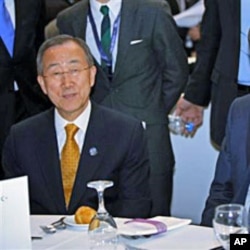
(91, 156)
(48, 158)
(126, 32)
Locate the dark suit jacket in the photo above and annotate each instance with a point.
(215, 73)
(148, 79)
(232, 176)
(31, 149)
(22, 66)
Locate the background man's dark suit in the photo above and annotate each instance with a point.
(148, 79)
(53, 7)
(215, 74)
(21, 68)
(114, 149)
(173, 6)
(232, 176)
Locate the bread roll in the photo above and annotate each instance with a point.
(84, 214)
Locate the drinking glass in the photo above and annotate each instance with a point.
(102, 228)
(248, 219)
(229, 219)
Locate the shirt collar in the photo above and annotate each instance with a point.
(114, 6)
(81, 121)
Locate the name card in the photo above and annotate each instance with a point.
(14, 214)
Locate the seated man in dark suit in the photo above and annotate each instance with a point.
(108, 144)
(232, 176)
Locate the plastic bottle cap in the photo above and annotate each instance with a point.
(189, 127)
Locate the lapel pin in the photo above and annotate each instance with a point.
(93, 151)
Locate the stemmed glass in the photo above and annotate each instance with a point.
(102, 228)
(248, 219)
(229, 219)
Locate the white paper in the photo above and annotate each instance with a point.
(14, 214)
(190, 17)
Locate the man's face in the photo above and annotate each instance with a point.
(67, 79)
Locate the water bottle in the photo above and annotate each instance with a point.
(189, 43)
(178, 126)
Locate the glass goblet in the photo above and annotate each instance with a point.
(102, 228)
(228, 219)
(248, 218)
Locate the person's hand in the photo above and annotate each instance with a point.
(189, 112)
(194, 33)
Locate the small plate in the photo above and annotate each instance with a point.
(70, 221)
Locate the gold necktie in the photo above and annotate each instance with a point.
(69, 161)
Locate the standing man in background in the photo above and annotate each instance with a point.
(21, 33)
(222, 69)
(141, 71)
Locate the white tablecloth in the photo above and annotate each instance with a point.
(186, 237)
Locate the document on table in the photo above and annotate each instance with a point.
(14, 214)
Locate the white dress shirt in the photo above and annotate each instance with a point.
(114, 7)
(190, 17)
(81, 122)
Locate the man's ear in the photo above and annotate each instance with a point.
(92, 75)
(40, 80)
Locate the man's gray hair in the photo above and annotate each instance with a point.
(59, 40)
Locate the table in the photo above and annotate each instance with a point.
(186, 237)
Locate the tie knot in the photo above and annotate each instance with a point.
(104, 10)
(71, 130)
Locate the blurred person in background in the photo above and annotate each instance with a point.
(222, 69)
(21, 33)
